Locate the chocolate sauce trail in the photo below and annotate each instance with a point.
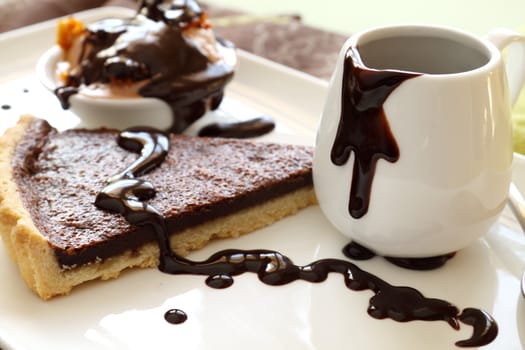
(151, 48)
(175, 316)
(64, 93)
(254, 127)
(152, 145)
(485, 327)
(6, 107)
(356, 251)
(125, 194)
(363, 126)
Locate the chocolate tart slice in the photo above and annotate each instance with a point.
(205, 188)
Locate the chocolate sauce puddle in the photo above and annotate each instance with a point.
(356, 251)
(175, 316)
(126, 194)
(363, 119)
(254, 127)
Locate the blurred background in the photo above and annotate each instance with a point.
(341, 16)
(307, 35)
(349, 16)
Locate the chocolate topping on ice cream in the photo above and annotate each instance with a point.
(169, 47)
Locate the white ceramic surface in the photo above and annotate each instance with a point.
(453, 130)
(127, 313)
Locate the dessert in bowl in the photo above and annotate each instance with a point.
(163, 67)
(115, 112)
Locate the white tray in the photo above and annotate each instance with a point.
(127, 313)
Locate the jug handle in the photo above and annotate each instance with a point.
(515, 65)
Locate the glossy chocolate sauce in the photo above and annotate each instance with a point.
(482, 334)
(356, 251)
(175, 316)
(126, 194)
(363, 126)
(151, 48)
(254, 127)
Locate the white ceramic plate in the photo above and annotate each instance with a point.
(127, 313)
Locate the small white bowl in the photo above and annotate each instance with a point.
(94, 112)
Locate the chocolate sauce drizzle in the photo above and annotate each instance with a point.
(126, 194)
(363, 127)
(151, 48)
